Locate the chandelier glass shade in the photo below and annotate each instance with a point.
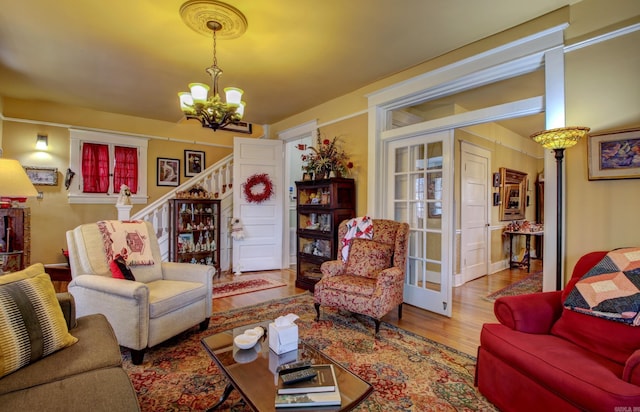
(205, 105)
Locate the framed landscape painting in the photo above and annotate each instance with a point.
(614, 155)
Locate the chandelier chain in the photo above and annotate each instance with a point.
(215, 58)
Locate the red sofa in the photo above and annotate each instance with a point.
(542, 357)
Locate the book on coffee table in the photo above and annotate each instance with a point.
(316, 399)
(324, 381)
(324, 398)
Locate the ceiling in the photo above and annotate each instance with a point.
(132, 57)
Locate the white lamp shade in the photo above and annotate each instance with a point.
(14, 181)
(240, 109)
(234, 96)
(199, 92)
(186, 101)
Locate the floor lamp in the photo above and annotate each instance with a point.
(558, 140)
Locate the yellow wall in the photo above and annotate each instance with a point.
(354, 142)
(602, 92)
(52, 216)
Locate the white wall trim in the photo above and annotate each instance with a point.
(602, 37)
(111, 131)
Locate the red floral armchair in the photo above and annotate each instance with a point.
(371, 281)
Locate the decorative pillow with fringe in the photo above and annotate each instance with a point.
(32, 325)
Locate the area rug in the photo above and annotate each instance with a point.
(408, 372)
(238, 287)
(530, 284)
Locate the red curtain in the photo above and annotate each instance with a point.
(95, 168)
(126, 168)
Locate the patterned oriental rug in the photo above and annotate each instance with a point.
(408, 372)
(238, 287)
(530, 284)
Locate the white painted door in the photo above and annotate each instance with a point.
(420, 178)
(474, 213)
(261, 248)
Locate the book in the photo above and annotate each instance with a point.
(298, 400)
(325, 381)
(312, 399)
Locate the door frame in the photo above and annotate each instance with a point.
(469, 147)
(525, 55)
(289, 136)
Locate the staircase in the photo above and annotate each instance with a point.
(217, 179)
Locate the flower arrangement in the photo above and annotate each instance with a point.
(325, 158)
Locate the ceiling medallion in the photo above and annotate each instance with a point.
(216, 19)
(198, 13)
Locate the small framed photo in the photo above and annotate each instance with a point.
(614, 155)
(193, 162)
(240, 127)
(496, 179)
(168, 173)
(45, 176)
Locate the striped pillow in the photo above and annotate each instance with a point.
(32, 325)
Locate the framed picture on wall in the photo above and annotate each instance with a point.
(240, 127)
(46, 176)
(614, 155)
(193, 162)
(168, 173)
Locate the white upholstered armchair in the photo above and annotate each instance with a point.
(165, 298)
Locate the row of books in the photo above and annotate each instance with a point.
(319, 391)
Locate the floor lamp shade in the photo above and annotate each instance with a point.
(14, 182)
(558, 140)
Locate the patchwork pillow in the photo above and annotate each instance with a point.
(368, 257)
(120, 270)
(32, 325)
(611, 289)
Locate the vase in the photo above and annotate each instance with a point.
(332, 174)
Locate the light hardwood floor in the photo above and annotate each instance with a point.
(461, 331)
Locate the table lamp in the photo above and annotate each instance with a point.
(558, 140)
(15, 185)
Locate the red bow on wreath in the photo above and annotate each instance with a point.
(254, 181)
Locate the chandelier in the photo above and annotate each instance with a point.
(202, 102)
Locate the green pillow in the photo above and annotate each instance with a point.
(32, 325)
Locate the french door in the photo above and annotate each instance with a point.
(420, 181)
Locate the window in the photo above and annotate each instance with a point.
(105, 161)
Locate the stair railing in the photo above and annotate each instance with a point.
(217, 179)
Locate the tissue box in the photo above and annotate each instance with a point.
(283, 339)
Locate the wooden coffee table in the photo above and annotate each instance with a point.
(252, 372)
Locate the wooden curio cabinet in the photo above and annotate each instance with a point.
(321, 206)
(15, 239)
(195, 231)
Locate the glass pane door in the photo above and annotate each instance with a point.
(421, 181)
